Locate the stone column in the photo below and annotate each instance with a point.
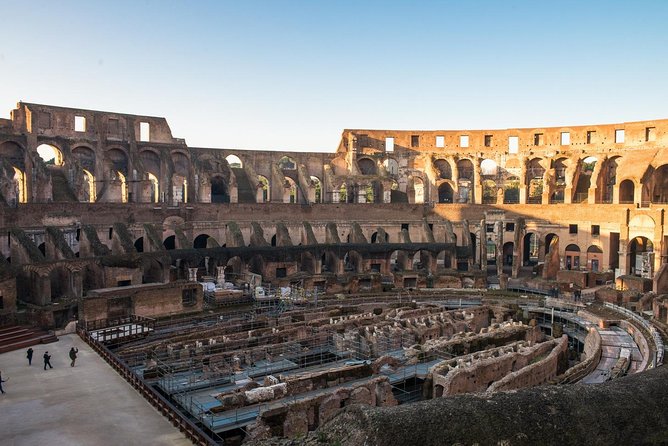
(220, 276)
(192, 274)
(498, 229)
(483, 245)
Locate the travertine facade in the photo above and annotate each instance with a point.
(120, 201)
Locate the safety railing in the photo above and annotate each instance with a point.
(656, 337)
(167, 409)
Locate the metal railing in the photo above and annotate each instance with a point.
(167, 409)
(656, 337)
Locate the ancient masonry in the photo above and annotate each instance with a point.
(290, 285)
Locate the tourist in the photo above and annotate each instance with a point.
(2, 381)
(73, 355)
(47, 360)
(29, 355)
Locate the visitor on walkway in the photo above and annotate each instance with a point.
(29, 355)
(2, 381)
(73, 355)
(47, 360)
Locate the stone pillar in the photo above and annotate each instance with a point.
(517, 247)
(220, 276)
(41, 288)
(498, 229)
(637, 193)
(192, 274)
(76, 283)
(483, 245)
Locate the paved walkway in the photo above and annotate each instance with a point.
(89, 404)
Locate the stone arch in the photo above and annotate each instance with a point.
(391, 166)
(342, 194)
(488, 167)
(398, 261)
(59, 277)
(50, 154)
(607, 179)
(180, 177)
(316, 184)
(290, 191)
(353, 261)
(465, 179)
(585, 171)
(234, 161)
(85, 157)
(445, 193)
(202, 241)
(307, 263)
(508, 248)
(534, 180)
(530, 245)
(287, 163)
(219, 190)
(170, 242)
(637, 247)
(627, 192)
(256, 265)
(139, 244)
(367, 166)
(88, 192)
(558, 190)
(152, 271)
(329, 262)
(418, 188)
(263, 190)
(572, 256)
(233, 267)
(421, 261)
(594, 258)
(443, 168)
(511, 190)
(443, 260)
(659, 185)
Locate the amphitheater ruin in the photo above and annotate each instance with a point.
(252, 295)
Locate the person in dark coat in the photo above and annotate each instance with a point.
(47, 360)
(2, 381)
(73, 355)
(29, 355)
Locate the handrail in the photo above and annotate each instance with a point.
(656, 338)
(187, 427)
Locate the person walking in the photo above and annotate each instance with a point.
(2, 381)
(47, 360)
(73, 355)
(29, 355)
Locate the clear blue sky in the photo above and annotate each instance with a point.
(290, 75)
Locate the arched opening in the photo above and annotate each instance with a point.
(352, 262)
(491, 251)
(289, 191)
(170, 242)
(488, 167)
(307, 263)
(256, 265)
(263, 189)
(530, 251)
(559, 186)
(42, 248)
(51, 155)
(659, 184)
(535, 173)
(391, 166)
(489, 193)
(584, 179)
(88, 189)
(329, 262)
(465, 180)
(366, 166)
(445, 193)
(316, 184)
(233, 268)
(234, 161)
(397, 261)
(594, 258)
(511, 191)
(202, 241)
(20, 189)
(369, 194)
(607, 180)
(508, 248)
(443, 169)
(418, 187)
(551, 242)
(343, 193)
(641, 251)
(273, 240)
(139, 244)
(179, 189)
(438, 391)
(219, 193)
(59, 278)
(626, 192)
(155, 187)
(443, 260)
(153, 271)
(572, 254)
(287, 163)
(421, 261)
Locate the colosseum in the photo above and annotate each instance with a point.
(415, 276)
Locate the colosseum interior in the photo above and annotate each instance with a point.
(257, 294)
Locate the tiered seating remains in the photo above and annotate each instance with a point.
(17, 337)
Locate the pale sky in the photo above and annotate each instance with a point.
(291, 75)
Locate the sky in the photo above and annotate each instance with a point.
(291, 75)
